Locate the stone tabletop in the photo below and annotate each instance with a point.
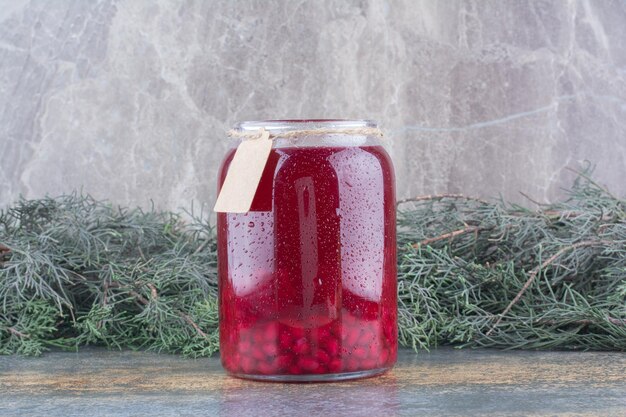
(446, 381)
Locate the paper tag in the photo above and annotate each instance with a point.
(244, 175)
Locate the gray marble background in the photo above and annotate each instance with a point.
(129, 99)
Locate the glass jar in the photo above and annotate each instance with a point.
(307, 278)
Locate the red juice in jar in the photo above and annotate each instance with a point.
(307, 277)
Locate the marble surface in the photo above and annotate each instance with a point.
(444, 382)
(129, 99)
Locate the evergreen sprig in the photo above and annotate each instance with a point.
(476, 273)
(75, 271)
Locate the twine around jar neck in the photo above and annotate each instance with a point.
(257, 134)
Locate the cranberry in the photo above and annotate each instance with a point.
(245, 347)
(266, 368)
(360, 353)
(322, 357)
(307, 364)
(283, 361)
(258, 354)
(301, 346)
(350, 336)
(295, 370)
(334, 365)
(247, 364)
(285, 340)
(382, 358)
(270, 348)
(332, 346)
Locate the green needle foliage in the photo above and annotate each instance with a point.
(75, 271)
(475, 273)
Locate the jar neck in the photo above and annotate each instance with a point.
(307, 133)
(283, 126)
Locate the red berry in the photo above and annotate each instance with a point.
(374, 349)
(257, 337)
(270, 348)
(320, 370)
(393, 354)
(296, 332)
(382, 358)
(244, 346)
(308, 364)
(301, 346)
(257, 353)
(285, 341)
(266, 368)
(231, 338)
(247, 364)
(270, 332)
(351, 364)
(351, 336)
(231, 362)
(369, 363)
(295, 370)
(360, 353)
(335, 328)
(321, 356)
(323, 333)
(331, 346)
(283, 361)
(366, 338)
(389, 330)
(334, 365)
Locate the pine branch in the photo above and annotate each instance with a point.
(535, 271)
(118, 277)
(431, 197)
(17, 333)
(75, 271)
(449, 235)
(485, 259)
(193, 324)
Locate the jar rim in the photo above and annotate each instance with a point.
(287, 125)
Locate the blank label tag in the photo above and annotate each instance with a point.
(244, 175)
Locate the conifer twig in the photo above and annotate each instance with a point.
(143, 300)
(449, 235)
(441, 197)
(17, 333)
(192, 324)
(533, 274)
(76, 271)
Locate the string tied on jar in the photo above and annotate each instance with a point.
(291, 134)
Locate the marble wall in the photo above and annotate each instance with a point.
(129, 99)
